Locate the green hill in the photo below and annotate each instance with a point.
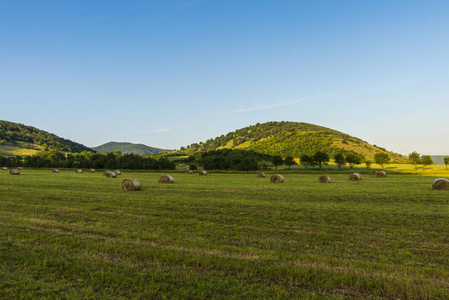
(126, 148)
(19, 139)
(291, 139)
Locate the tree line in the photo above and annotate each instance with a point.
(224, 159)
(229, 159)
(87, 159)
(425, 160)
(249, 160)
(351, 159)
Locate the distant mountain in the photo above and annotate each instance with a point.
(291, 139)
(19, 136)
(438, 159)
(126, 148)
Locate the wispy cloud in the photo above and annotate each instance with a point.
(160, 130)
(257, 106)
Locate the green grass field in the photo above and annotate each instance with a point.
(78, 236)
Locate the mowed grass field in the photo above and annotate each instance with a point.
(233, 236)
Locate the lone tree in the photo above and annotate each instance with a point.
(339, 160)
(381, 159)
(306, 160)
(414, 159)
(426, 160)
(321, 158)
(368, 163)
(289, 161)
(276, 160)
(446, 161)
(353, 159)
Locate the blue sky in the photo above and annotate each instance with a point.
(171, 73)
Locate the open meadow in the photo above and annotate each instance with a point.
(223, 235)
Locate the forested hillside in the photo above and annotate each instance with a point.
(127, 148)
(16, 134)
(290, 139)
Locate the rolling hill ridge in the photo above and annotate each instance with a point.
(291, 139)
(20, 139)
(275, 138)
(126, 148)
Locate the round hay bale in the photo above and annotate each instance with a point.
(203, 173)
(374, 172)
(188, 171)
(92, 170)
(131, 184)
(79, 171)
(440, 184)
(14, 172)
(110, 174)
(355, 177)
(165, 179)
(276, 178)
(5, 168)
(324, 179)
(381, 174)
(117, 172)
(181, 165)
(55, 171)
(261, 175)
